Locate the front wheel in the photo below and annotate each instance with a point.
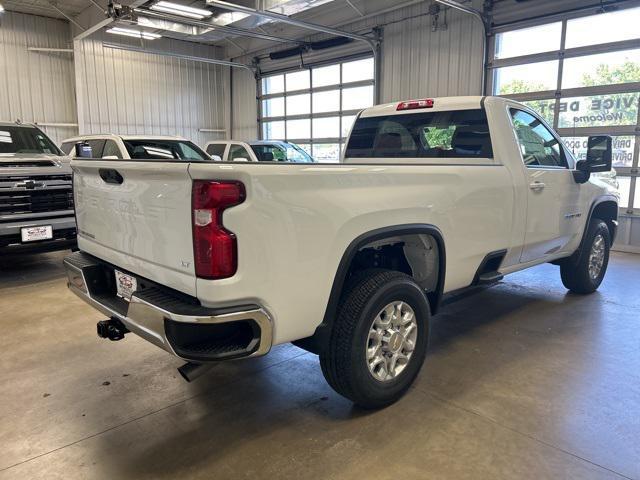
(379, 339)
(586, 274)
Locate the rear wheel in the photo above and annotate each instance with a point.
(379, 339)
(586, 274)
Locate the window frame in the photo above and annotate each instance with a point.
(558, 95)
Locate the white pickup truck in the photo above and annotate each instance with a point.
(214, 261)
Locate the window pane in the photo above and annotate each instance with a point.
(305, 146)
(326, 101)
(299, 104)
(273, 130)
(326, 127)
(622, 149)
(357, 71)
(238, 151)
(448, 134)
(624, 187)
(298, 80)
(357, 98)
(347, 123)
(602, 69)
(533, 77)
(603, 28)
(217, 149)
(544, 108)
(273, 84)
(324, 76)
(274, 107)
(538, 146)
(326, 152)
(544, 38)
(600, 110)
(299, 129)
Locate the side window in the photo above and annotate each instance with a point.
(216, 149)
(539, 147)
(96, 148)
(111, 149)
(67, 147)
(238, 151)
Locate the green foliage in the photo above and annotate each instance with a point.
(605, 75)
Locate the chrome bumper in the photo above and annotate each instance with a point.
(147, 314)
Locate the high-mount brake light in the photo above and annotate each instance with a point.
(415, 104)
(215, 248)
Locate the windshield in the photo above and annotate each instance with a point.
(286, 152)
(26, 140)
(165, 150)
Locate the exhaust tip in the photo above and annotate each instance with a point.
(191, 371)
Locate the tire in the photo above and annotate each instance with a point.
(344, 359)
(577, 275)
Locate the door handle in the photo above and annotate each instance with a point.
(537, 186)
(110, 175)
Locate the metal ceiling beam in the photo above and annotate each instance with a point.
(291, 21)
(219, 28)
(213, 61)
(471, 11)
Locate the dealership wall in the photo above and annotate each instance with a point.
(417, 62)
(129, 92)
(37, 86)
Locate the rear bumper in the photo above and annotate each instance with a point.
(170, 320)
(64, 235)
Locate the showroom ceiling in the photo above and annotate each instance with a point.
(47, 8)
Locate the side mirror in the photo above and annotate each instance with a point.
(240, 159)
(599, 157)
(110, 157)
(83, 150)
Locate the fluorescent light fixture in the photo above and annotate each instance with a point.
(133, 33)
(181, 10)
(1, 8)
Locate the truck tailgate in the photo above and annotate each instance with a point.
(137, 214)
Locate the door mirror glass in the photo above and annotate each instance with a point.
(599, 154)
(83, 150)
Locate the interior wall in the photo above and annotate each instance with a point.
(416, 61)
(37, 87)
(127, 92)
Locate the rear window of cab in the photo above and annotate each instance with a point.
(448, 134)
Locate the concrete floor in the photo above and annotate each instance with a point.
(523, 381)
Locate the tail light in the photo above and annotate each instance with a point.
(215, 248)
(415, 104)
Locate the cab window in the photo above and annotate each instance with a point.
(238, 151)
(539, 147)
(111, 149)
(216, 149)
(446, 134)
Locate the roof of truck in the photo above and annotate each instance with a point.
(439, 104)
(102, 136)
